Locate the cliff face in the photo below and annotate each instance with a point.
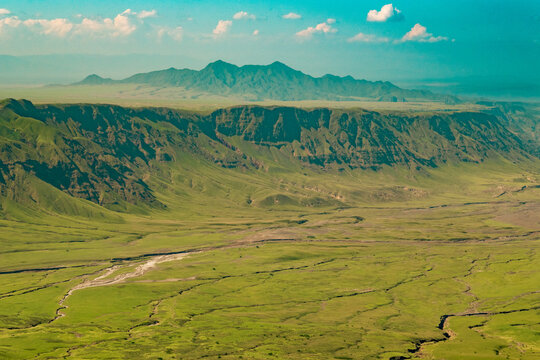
(105, 153)
(369, 139)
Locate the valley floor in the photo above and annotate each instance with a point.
(425, 279)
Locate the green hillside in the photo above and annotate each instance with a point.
(105, 154)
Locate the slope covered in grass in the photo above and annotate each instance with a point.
(108, 155)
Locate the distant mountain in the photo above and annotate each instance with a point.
(107, 154)
(276, 81)
(95, 80)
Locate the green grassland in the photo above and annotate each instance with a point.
(284, 279)
(241, 250)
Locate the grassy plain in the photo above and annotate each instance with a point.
(179, 98)
(436, 264)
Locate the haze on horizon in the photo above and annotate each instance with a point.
(405, 42)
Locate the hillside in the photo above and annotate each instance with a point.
(276, 81)
(107, 154)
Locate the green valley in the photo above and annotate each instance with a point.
(269, 232)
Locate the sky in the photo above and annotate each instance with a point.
(405, 40)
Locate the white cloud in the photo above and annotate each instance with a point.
(241, 15)
(147, 13)
(92, 26)
(419, 33)
(176, 33)
(121, 25)
(324, 27)
(11, 21)
(56, 27)
(437, 39)
(292, 16)
(222, 27)
(255, 32)
(388, 11)
(331, 21)
(4, 12)
(368, 38)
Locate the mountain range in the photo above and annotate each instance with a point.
(276, 81)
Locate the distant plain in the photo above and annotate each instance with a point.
(179, 98)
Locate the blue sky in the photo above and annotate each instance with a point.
(376, 40)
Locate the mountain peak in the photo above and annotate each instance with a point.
(220, 65)
(279, 64)
(94, 79)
